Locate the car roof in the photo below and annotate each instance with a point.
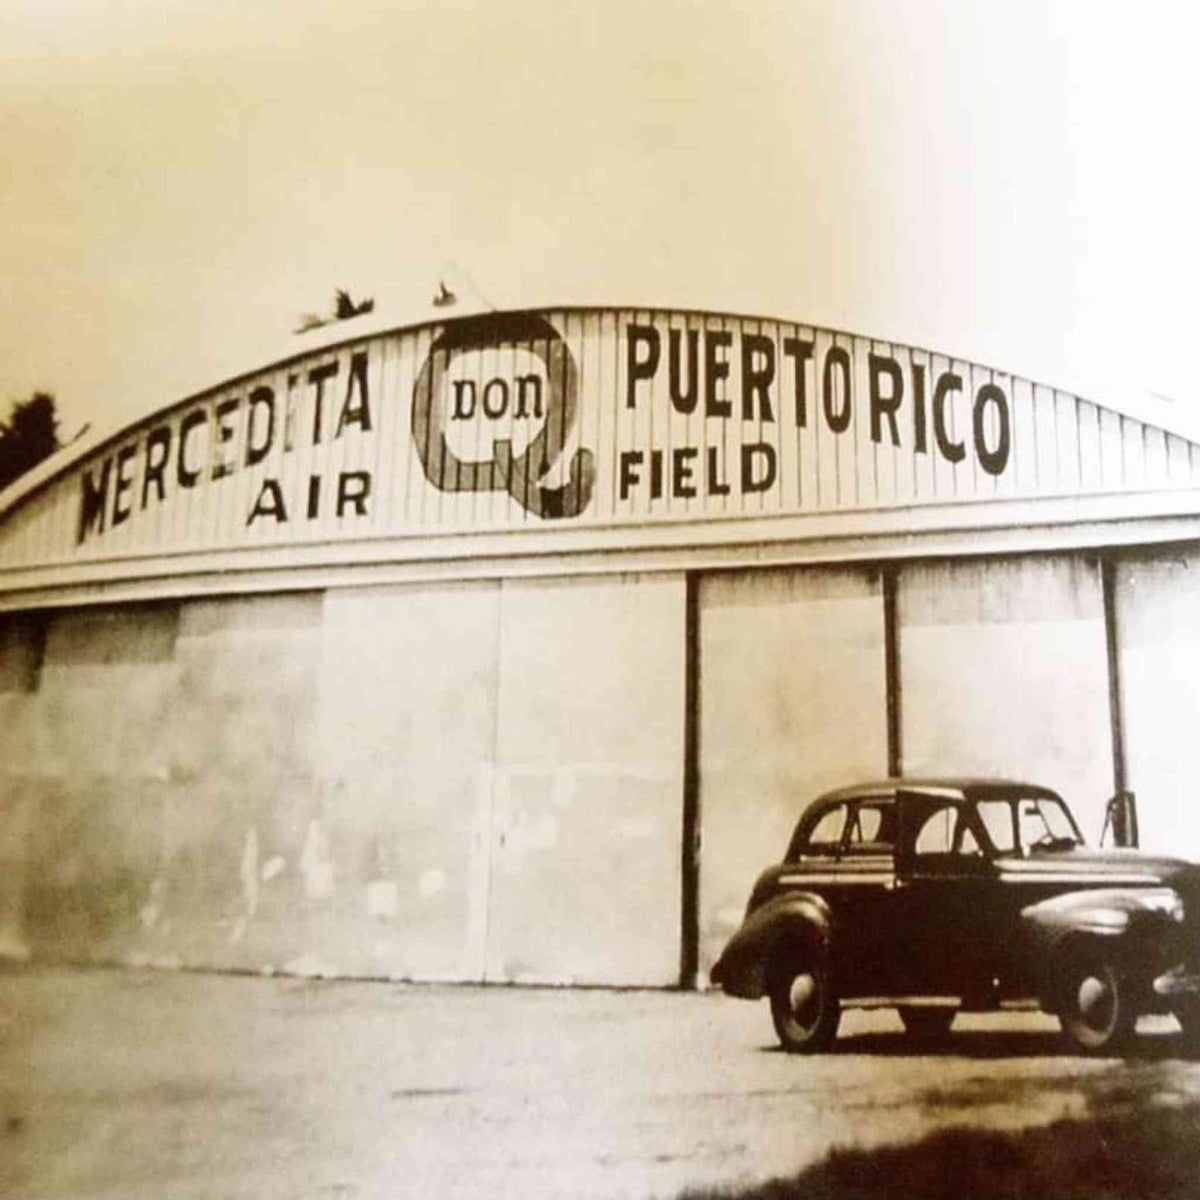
(968, 786)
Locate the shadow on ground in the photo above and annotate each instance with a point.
(1153, 1154)
(996, 1044)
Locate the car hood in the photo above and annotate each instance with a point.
(1108, 868)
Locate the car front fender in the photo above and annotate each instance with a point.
(801, 918)
(1137, 923)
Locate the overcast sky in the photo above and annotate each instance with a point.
(1009, 182)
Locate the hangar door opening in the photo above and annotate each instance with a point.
(793, 701)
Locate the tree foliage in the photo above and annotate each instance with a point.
(29, 435)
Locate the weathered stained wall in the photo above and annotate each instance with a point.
(1003, 671)
(375, 782)
(21, 649)
(397, 861)
(1158, 620)
(792, 702)
(157, 751)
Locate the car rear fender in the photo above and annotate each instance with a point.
(800, 919)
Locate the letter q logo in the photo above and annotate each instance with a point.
(519, 475)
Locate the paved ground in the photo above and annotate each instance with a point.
(155, 1084)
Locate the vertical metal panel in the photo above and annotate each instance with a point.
(418, 493)
(1091, 473)
(925, 467)
(1007, 483)
(625, 416)
(1046, 432)
(1156, 458)
(333, 445)
(607, 396)
(960, 431)
(864, 493)
(982, 484)
(882, 454)
(1067, 425)
(943, 470)
(657, 430)
(1177, 461)
(846, 447)
(1112, 458)
(783, 394)
(587, 434)
(808, 438)
(1133, 445)
(826, 441)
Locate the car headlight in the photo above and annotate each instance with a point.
(1163, 900)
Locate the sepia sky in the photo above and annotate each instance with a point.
(1009, 182)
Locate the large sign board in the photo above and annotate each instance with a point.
(580, 418)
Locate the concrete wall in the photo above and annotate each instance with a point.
(792, 702)
(1003, 671)
(1158, 619)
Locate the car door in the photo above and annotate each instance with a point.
(866, 881)
(943, 900)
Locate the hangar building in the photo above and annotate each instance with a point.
(508, 647)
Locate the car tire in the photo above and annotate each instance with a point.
(1096, 1004)
(927, 1023)
(804, 1004)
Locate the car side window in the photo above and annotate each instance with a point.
(997, 818)
(826, 835)
(945, 838)
(936, 835)
(871, 826)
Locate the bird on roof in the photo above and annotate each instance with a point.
(345, 308)
(444, 296)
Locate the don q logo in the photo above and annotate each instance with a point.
(520, 475)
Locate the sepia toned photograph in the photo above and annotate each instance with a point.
(599, 600)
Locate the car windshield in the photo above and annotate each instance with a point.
(1028, 824)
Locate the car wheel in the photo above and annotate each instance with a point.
(1096, 1010)
(926, 1024)
(804, 1005)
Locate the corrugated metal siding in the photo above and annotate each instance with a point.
(662, 416)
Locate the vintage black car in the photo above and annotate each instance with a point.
(936, 896)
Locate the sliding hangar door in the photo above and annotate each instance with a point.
(999, 668)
